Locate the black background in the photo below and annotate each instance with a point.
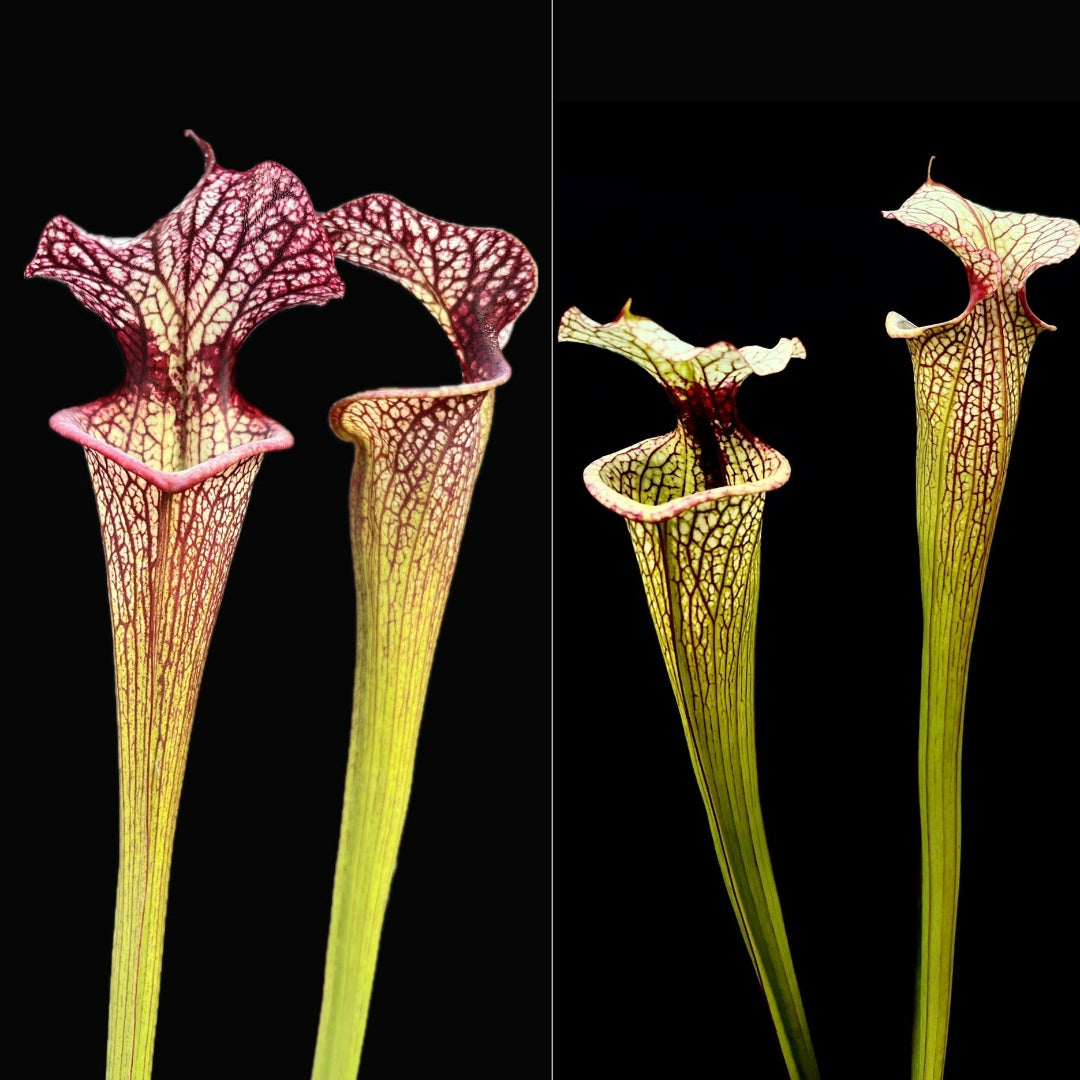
(734, 221)
(746, 223)
(464, 966)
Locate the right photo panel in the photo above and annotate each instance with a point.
(816, 383)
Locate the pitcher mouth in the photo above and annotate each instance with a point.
(71, 424)
(597, 478)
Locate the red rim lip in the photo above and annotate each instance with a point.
(67, 424)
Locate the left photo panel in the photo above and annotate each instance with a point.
(324, 688)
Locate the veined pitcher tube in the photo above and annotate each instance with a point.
(173, 454)
(969, 373)
(693, 501)
(417, 456)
